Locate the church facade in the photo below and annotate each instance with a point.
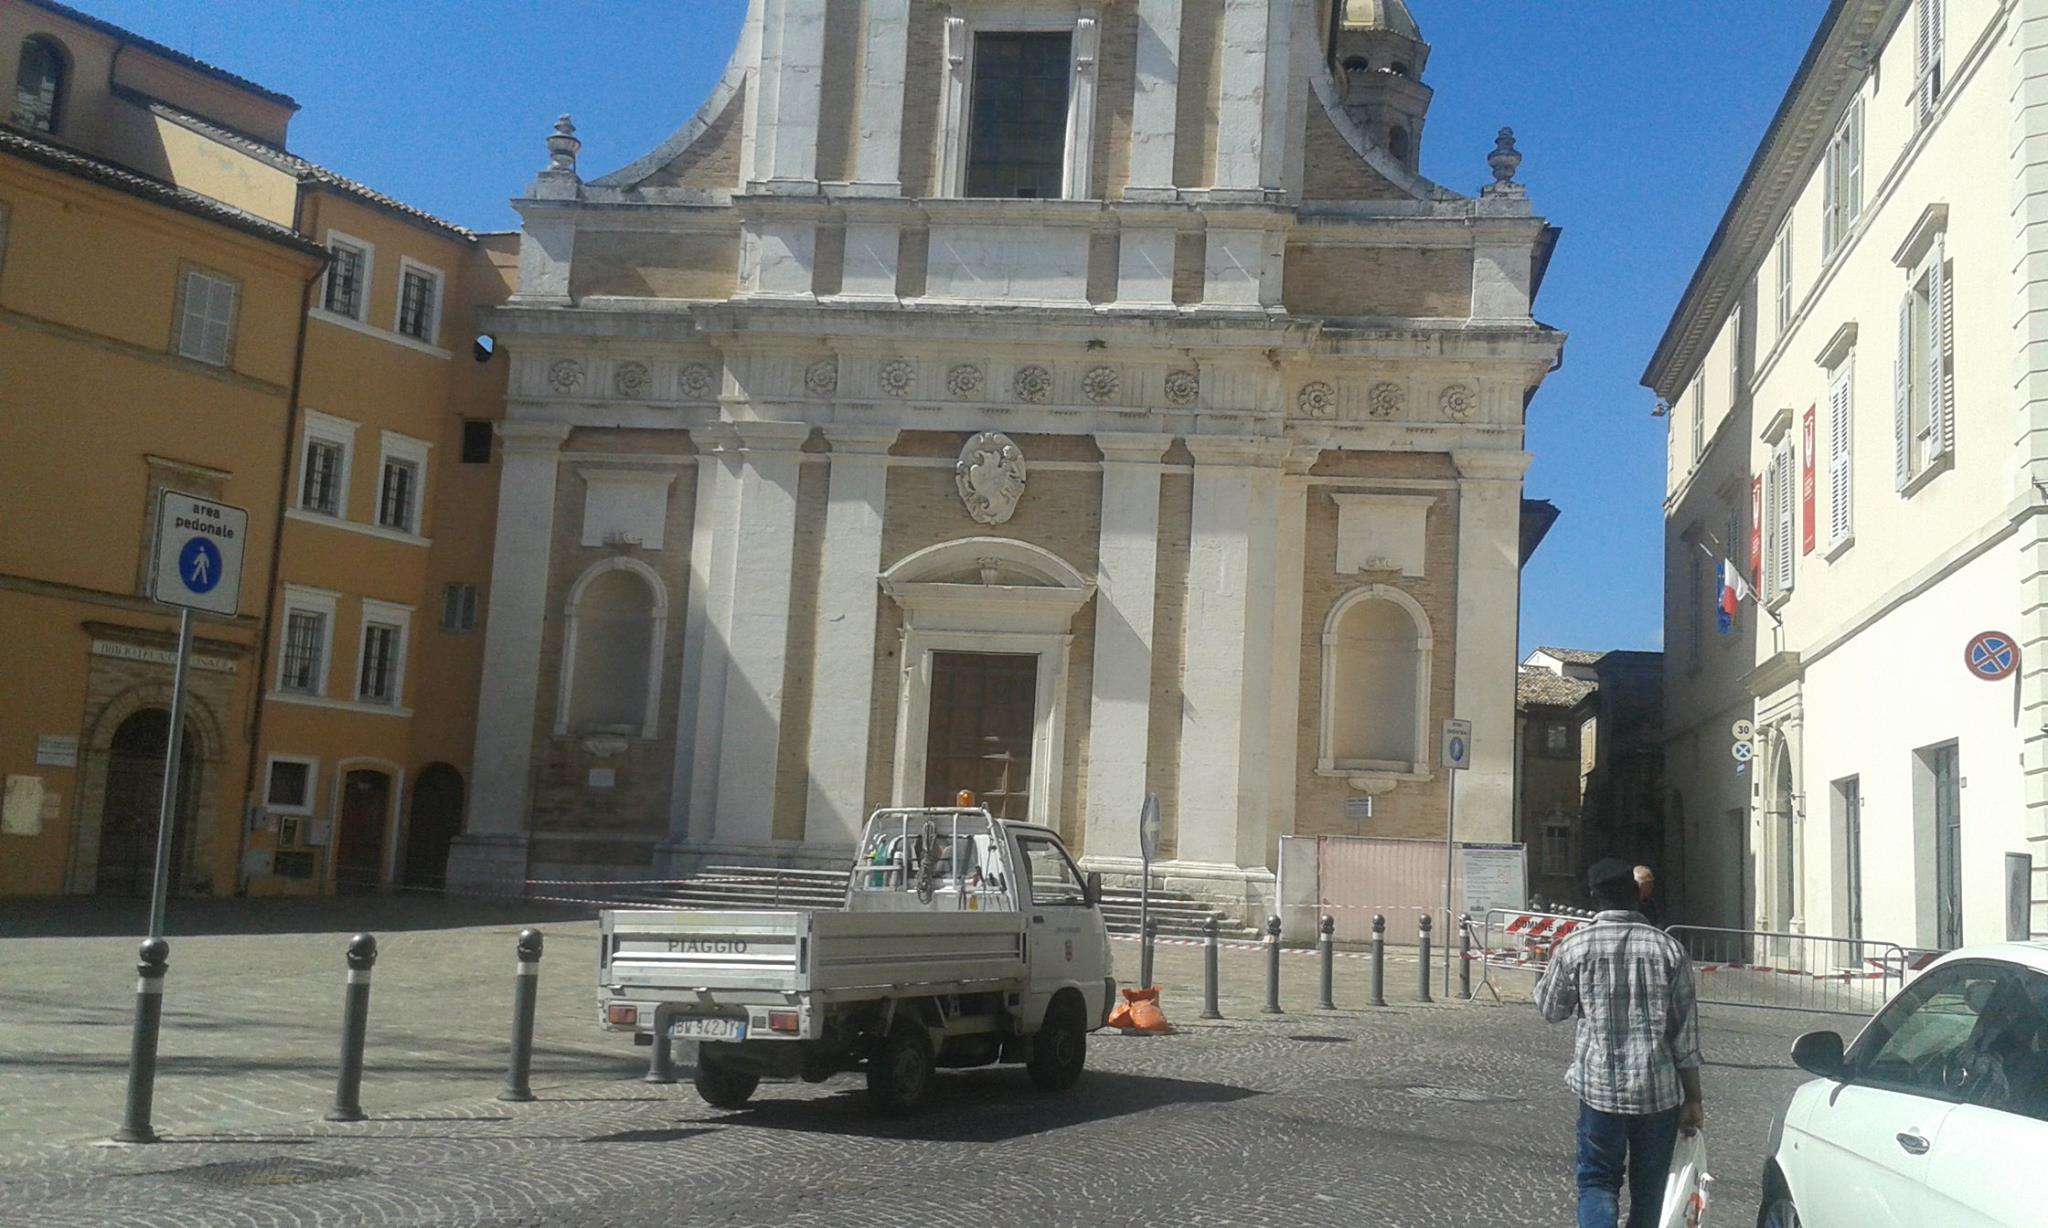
(1060, 401)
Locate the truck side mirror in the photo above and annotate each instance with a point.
(1094, 888)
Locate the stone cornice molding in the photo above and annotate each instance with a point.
(1786, 157)
(757, 436)
(1490, 466)
(862, 441)
(532, 436)
(1238, 451)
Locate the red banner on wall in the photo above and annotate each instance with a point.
(1806, 485)
(1756, 533)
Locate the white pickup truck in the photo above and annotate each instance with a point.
(965, 940)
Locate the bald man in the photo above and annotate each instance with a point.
(1647, 901)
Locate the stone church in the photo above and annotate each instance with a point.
(1056, 399)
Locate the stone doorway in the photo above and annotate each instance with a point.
(134, 792)
(433, 823)
(359, 833)
(983, 706)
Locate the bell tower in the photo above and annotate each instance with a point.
(1378, 55)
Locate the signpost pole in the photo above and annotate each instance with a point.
(167, 803)
(1450, 838)
(1148, 848)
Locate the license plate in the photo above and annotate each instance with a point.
(708, 1029)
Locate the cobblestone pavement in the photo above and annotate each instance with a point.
(1412, 1115)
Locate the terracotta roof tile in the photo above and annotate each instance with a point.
(1537, 686)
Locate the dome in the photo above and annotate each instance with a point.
(1389, 15)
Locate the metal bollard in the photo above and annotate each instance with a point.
(1379, 960)
(525, 988)
(661, 1064)
(1150, 930)
(355, 1017)
(1465, 956)
(1423, 953)
(1272, 1006)
(1209, 1010)
(1329, 945)
(153, 961)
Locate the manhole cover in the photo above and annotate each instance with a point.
(1463, 1095)
(273, 1171)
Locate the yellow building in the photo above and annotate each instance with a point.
(168, 318)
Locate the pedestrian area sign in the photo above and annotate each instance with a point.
(198, 559)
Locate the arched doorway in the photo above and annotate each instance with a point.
(436, 819)
(359, 836)
(134, 793)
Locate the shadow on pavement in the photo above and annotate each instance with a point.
(107, 918)
(986, 1106)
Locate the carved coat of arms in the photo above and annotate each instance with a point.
(990, 476)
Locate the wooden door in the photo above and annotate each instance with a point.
(134, 794)
(982, 710)
(359, 835)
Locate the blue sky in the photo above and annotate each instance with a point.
(1636, 117)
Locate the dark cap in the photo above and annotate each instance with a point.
(1610, 872)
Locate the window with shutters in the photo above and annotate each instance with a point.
(305, 637)
(1923, 408)
(347, 290)
(1784, 275)
(206, 317)
(1781, 522)
(458, 607)
(1842, 183)
(1738, 382)
(381, 676)
(419, 301)
(1699, 417)
(1841, 472)
(1929, 26)
(324, 464)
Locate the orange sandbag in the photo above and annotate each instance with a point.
(1141, 1007)
(1120, 1015)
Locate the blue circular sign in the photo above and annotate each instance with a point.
(1457, 750)
(199, 565)
(1992, 655)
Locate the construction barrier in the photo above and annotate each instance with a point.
(1809, 973)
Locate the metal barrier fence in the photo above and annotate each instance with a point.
(1809, 973)
(1519, 939)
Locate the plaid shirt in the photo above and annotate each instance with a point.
(1630, 986)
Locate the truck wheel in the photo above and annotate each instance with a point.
(722, 1086)
(900, 1072)
(1061, 1047)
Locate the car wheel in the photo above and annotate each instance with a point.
(722, 1086)
(1778, 1212)
(900, 1072)
(1060, 1049)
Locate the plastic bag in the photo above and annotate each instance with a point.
(1685, 1190)
(1139, 1012)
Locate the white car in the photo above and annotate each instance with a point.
(1937, 1117)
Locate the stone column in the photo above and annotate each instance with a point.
(756, 639)
(1126, 582)
(843, 676)
(1227, 658)
(490, 855)
(1489, 603)
(2028, 89)
(707, 624)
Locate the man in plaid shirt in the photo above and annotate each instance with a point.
(1636, 1057)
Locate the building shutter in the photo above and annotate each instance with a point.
(1902, 397)
(1940, 411)
(1788, 515)
(1841, 403)
(1773, 543)
(1853, 207)
(1831, 201)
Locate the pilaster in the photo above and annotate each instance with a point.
(707, 629)
(1126, 583)
(490, 855)
(878, 154)
(843, 672)
(1489, 599)
(1290, 565)
(1155, 104)
(2028, 90)
(791, 81)
(1228, 655)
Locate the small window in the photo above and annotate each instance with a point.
(1699, 417)
(348, 272)
(1357, 65)
(290, 788)
(1055, 883)
(483, 347)
(207, 319)
(1557, 845)
(1784, 269)
(320, 486)
(379, 681)
(458, 607)
(1557, 739)
(1399, 69)
(476, 441)
(1738, 381)
(39, 86)
(1397, 143)
(398, 502)
(1842, 185)
(419, 302)
(1017, 141)
(1923, 399)
(302, 668)
(1931, 33)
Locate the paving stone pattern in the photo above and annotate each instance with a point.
(1449, 1114)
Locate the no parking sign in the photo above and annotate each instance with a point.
(1991, 656)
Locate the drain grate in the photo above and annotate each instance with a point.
(265, 1173)
(1461, 1095)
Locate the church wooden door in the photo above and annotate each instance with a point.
(983, 706)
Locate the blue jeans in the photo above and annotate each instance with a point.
(1608, 1142)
